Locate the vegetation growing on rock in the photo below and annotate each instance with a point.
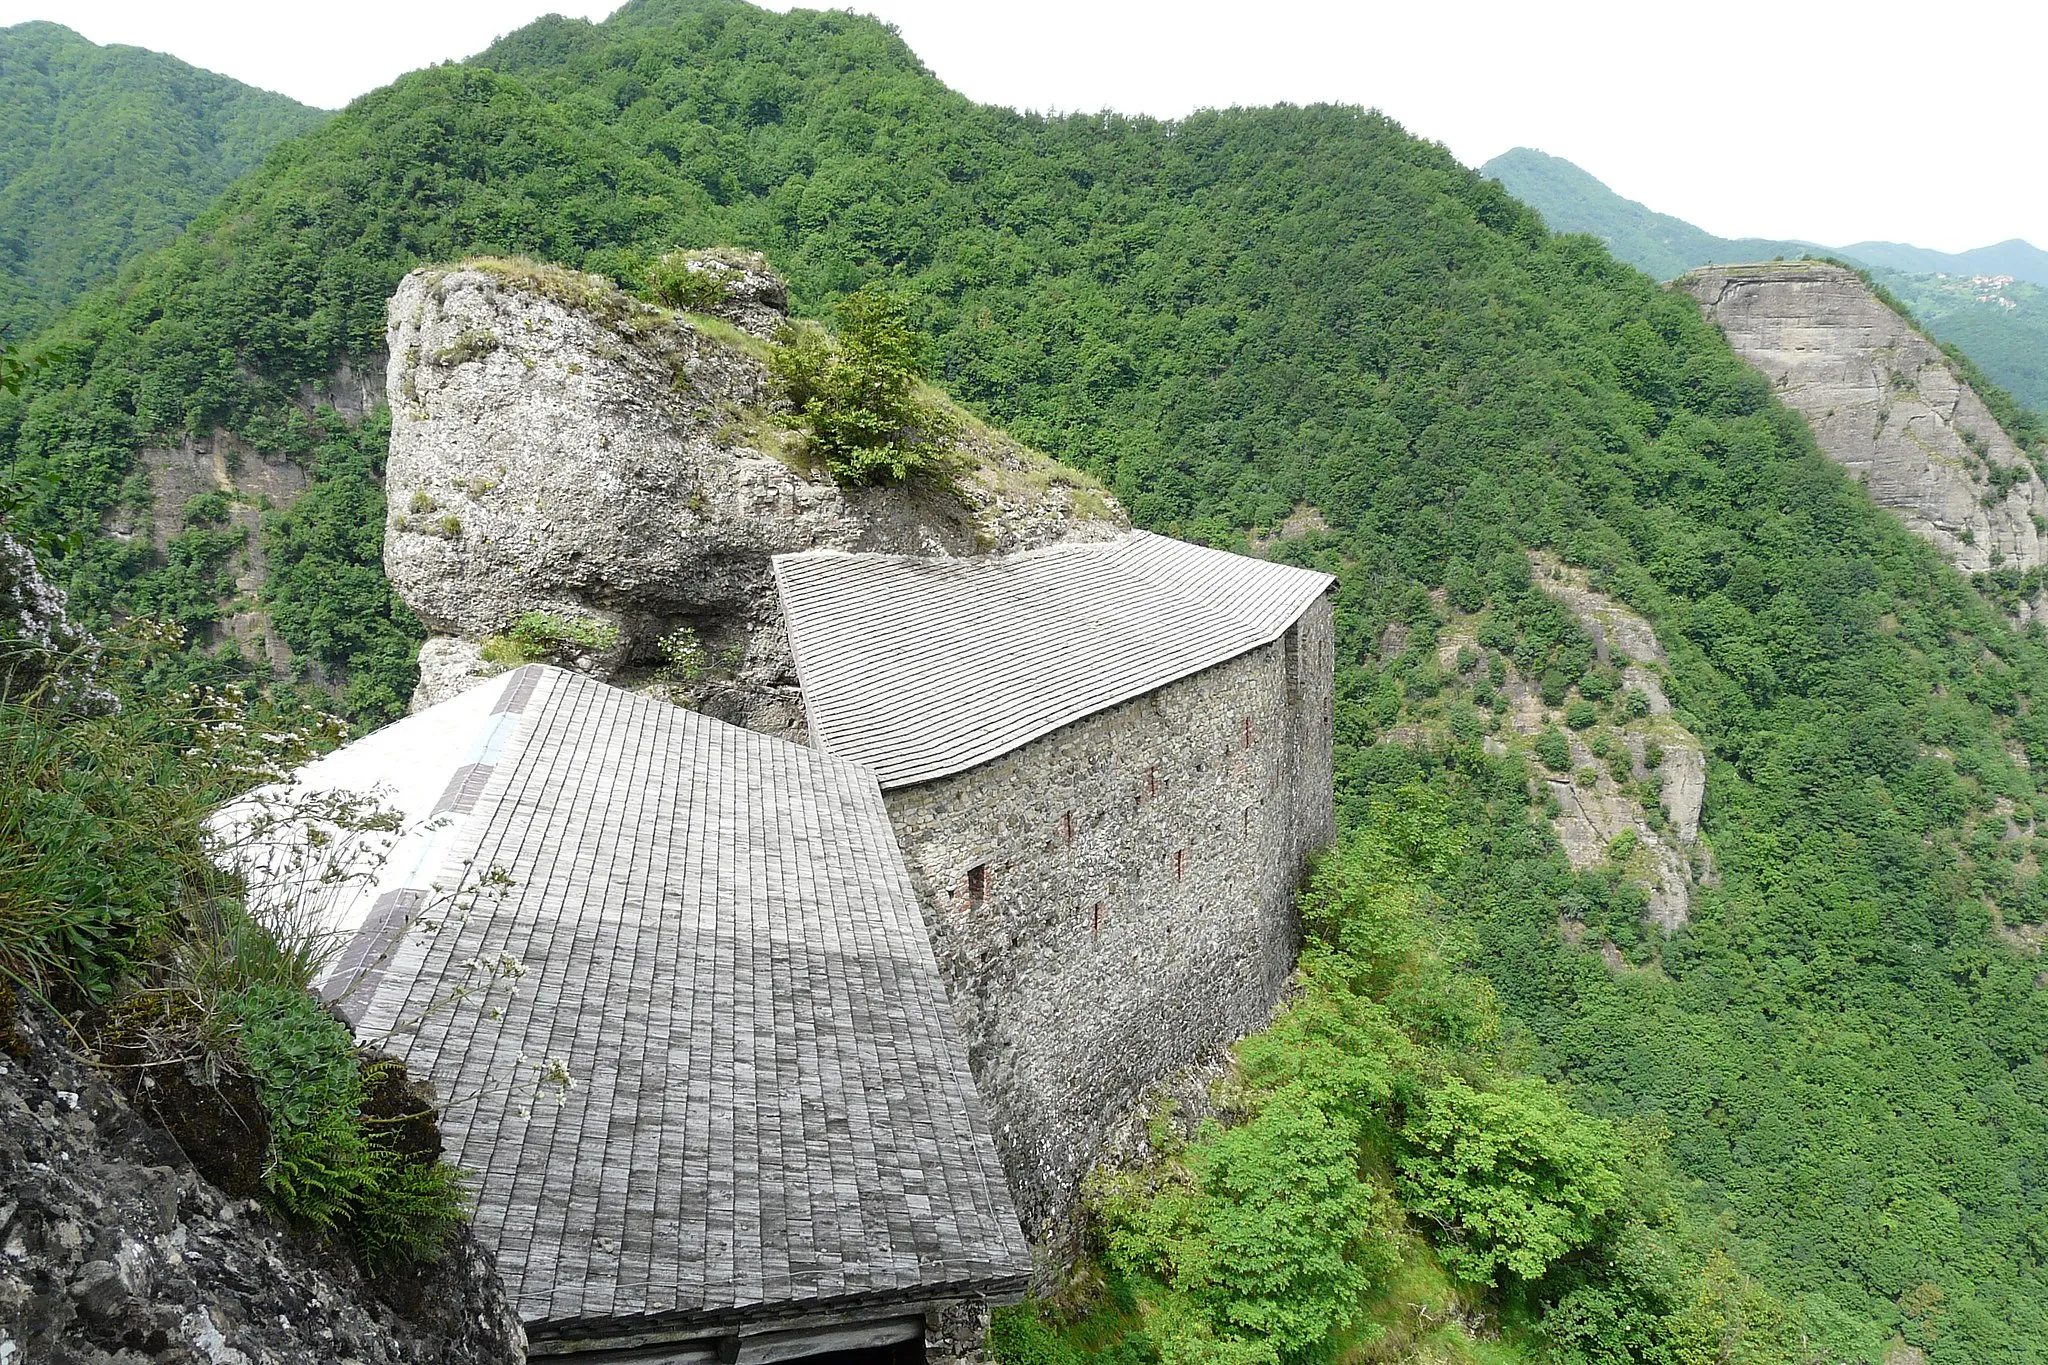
(1228, 318)
(856, 395)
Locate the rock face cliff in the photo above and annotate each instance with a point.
(560, 447)
(114, 1250)
(1884, 401)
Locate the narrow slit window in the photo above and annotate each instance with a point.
(1067, 827)
(1180, 863)
(1247, 732)
(977, 886)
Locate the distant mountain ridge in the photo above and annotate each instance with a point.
(2020, 259)
(1573, 200)
(1958, 297)
(106, 152)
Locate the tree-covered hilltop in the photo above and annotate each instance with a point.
(1228, 317)
(2001, 326)
(105, 152)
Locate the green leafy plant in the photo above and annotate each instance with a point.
(676, 281)
(856, 397)
(1514, 1175)
(1554, 749)
(537, 636)
(684, 658)
(326, 1163)
(1581, 714)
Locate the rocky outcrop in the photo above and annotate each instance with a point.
(114, 1250)
(1635, 801)
(1884, 402)
(44, 658)
(1592, 816)
(250, 481)
(560, 447)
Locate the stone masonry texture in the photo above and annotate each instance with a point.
(1114, 901)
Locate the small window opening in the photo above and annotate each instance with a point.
(1067, 826)
(1247, 732)
(1095, 927)
(1152, 781)
(1247, 820)
(977, 886)
(1180, 863)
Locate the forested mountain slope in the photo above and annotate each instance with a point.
(105, 152)
(1229, 317)
(1989, 302)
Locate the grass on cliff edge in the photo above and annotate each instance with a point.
(114, 909)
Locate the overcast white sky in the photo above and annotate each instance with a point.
(1834, 121)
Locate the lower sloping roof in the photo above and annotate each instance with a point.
(923, 667)
(770, 1101)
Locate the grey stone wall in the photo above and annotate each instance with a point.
(1115, 900)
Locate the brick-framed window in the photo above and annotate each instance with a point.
(977, 886)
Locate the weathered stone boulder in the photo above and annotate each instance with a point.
(749, 294)
(560, 447)
(115, 1251)
(1884, 402)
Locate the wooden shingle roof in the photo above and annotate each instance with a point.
(771, 1104)
(924, 667)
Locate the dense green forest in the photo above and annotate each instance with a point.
(105, 152)
(1226, 317)
(2002, 328)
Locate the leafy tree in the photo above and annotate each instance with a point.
(1515, 1177)
(856, 396)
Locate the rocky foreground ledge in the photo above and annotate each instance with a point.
(115, 1251)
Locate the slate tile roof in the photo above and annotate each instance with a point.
(771, 1103)
(920, 667)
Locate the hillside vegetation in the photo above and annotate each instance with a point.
(2001, 325)
(105, 153)
(1228, 318)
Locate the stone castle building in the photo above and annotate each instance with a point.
(847, 1021)
(1107, 765)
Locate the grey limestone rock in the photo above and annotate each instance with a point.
(1884, 402)
(114, 1251)
(42, 654)
(558, 446)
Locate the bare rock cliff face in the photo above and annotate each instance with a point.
(560, 447)
(253, 481)
(114, 1251)
(1883, 401)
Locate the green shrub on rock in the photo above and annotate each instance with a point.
(856, 398)
(543, 636)
(1555, 750)
(327, 1163)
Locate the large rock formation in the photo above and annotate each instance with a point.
(115, 1251)
(1632, 793)
(1884, 401)
(250, 481)
(560, 447)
